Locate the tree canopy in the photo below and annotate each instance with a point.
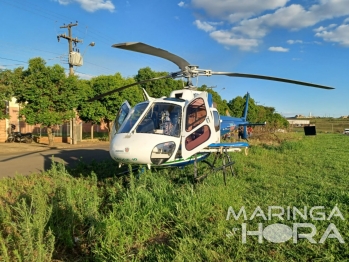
(8, 81)
(47, 96)
(257, 113)
(104, 109)
(158, 88)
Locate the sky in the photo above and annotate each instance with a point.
(305, 40)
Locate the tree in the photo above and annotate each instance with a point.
(257, 113)
(47, 96)
(8, 81)
(104, 109)
(237, 107)
(157, 88)
(277, 120)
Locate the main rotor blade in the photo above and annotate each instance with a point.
(272, 79)
(150, 50)
(127, 86)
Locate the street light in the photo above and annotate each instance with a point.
(90, 44)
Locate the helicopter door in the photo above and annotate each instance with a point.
(121, 116)
(198, 129)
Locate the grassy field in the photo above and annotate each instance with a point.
(327, 125)
(91, 214)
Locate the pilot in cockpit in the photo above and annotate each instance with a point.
(166, 124)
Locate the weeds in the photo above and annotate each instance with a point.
(91, 213)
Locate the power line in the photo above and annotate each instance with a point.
(25, 9)
(42, 12)
(12, 45)
(13, 60)
(24, 5)
(54, 16)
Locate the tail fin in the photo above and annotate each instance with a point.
(246, 107)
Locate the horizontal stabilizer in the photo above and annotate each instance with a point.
(253, 124)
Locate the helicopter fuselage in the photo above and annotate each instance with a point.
(169, 131)
(163, 131)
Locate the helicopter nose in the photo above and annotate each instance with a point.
(116, 151)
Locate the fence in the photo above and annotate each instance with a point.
(60, 132)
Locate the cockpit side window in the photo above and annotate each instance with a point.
(196, 114)
(217, 123)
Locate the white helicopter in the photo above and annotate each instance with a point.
(181, 129)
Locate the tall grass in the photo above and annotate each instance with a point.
(92, 214)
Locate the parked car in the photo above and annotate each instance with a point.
(346, 131)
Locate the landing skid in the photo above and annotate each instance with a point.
(226, 163)
(128, 171)
(219, 153)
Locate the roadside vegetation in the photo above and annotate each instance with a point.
(90, 213)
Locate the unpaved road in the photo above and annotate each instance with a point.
(24, 159)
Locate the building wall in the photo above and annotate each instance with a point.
(3, 133)
(299, 122)
(23, 127)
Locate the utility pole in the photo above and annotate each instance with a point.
(71, 40)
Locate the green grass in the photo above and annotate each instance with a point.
(327, 125)
(92, 214)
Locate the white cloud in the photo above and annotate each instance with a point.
(338, 35)
(291, 42)
(233, 9)
(91, 5)
(253, 19)
(207, 27)
(229, 39)
(181, 4)
(278, 49)
(322, 28)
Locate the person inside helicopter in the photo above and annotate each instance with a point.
(166, 123)
(161, 118)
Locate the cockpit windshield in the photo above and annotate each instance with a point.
(162, 118)
(133, 117)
